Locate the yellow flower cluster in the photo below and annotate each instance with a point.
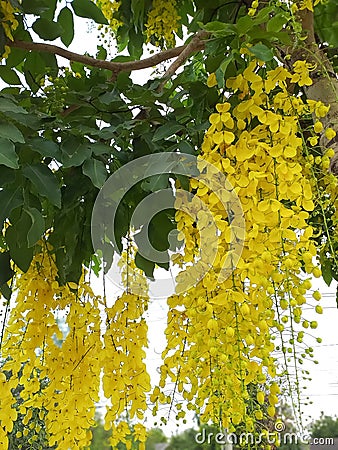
(309, 4)
(126, 380)
(162, 22)
(38, 353)
(8, 22)
(223, 333)
(109, 9)
(60, 371)
(8, 413)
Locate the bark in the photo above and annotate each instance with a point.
(181, 53)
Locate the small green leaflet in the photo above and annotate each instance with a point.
(262, 52)
(8, 156)
(65, 19)
(75, 152)
(88, 10)
(38, 226)
(167, 130)
(9, 200)
(44, 181)
(7, 105)
(47, 29)
(96, 171)
(10, 131)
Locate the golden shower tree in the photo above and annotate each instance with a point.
(237, 126)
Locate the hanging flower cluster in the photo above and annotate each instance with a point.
(8, 22)
(59, 367)
(223, 333)
(109, 9)
(162, 23)
(308, 4)
(59, 375)
(126, 380)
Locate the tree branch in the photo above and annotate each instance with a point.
(194, 45)
(115, 67)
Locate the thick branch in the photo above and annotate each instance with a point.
(194, 45)
(115, 67)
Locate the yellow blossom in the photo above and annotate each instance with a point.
(163, 22)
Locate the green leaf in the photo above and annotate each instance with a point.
(6, 291)
(137, 9)
(220, 28)
(186, 147)
(277, 22)
(9, 200)
(167, 130)
(46, 148)
(75, 152)
(7, 105)
(224, 65)
(98, 148)
(16, 238)
(65, 19)
(263, 15)
(34, 70)
(44, 181)
(244, 24)
(6, 271)
(326, 23)
(96, 171)
(262, 52)
(155, 183)
(6, 176)
(145, 265)
(8, 155)
(36, 7)
(10, 131)
(135, 44)
(49, 14)
(88, 9)
(9, 75)
(38, 226)
(47, 29)
(327, 272)
(16, 56)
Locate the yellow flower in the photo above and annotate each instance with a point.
(306, 4)
(313, 140)
(212, 80)
(301, 75)
(163, 22)
(109, 9)
(318, 126)
(8, 20)
(330, 133)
